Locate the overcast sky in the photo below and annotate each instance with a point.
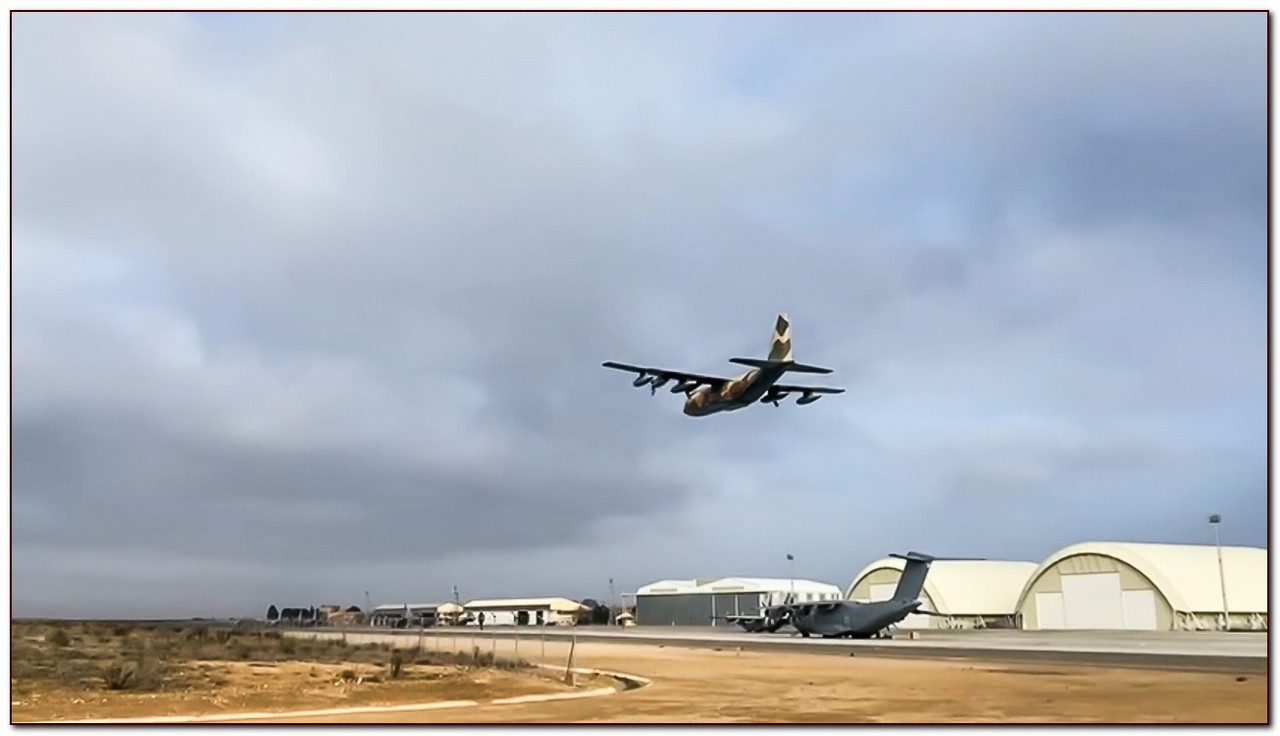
(312, 305)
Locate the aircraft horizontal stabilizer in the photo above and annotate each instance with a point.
(790, 366)
(914, 556)
(802, 368)
(756, 362)
(922, 557)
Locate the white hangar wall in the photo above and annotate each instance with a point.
(968, 593)
(701, 602)
(1146, 587)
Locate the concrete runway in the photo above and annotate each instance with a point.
(1244, 652)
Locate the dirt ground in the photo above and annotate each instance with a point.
(283, 686)
(178, 675)
(702, 686)
(688, 686)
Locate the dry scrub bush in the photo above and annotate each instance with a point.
(144, 673)
(397, 664)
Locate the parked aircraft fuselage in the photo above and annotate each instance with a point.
(854, 620)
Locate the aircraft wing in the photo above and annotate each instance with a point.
(811, 389)
(664, 374)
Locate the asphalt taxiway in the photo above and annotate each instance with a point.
(1204, 651)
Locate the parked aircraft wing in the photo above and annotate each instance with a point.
(665, 374)
(735, 617)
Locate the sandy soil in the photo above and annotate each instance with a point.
(697, 685)
(689, 686)
(238, 687)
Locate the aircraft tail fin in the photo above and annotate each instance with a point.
(780, 348)
(780, 354)
(913, 575)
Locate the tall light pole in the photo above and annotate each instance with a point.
(1214, 521)
(791, 572)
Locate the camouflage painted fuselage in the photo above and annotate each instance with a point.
(738, 393)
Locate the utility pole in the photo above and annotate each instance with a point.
(791, 572)
(611, 604)
(1214, 520)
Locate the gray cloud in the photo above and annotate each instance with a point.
(296, 291)
(246, 502)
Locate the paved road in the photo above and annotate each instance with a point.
(1199, 651)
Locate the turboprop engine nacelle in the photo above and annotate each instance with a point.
(642, 380)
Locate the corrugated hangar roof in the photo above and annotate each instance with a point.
(1186, 574)
(559, 605)
(668, 587)
(966, 587)
(752, 585)
(735, 585)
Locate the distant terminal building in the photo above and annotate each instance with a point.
(700, 602)
(969, 594)
(525, 611)
(1150, 587)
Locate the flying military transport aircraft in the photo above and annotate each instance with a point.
(848, 619)
(712, 394)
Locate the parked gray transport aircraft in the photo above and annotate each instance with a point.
(713, 394)
(848, 619)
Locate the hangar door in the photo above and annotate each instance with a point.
(1093, 601)
(1049, 611)
(1140, 609)
(884, 591)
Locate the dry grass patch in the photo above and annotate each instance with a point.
(96, 670)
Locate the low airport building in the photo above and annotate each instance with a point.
(524, 612)
(414, 615)
(703, 602)
(968, 594)
(1146, 587)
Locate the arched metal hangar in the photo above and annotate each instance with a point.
(1151, 587)
(968, 593)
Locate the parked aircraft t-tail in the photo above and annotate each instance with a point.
(712, 394)
(848, 619)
